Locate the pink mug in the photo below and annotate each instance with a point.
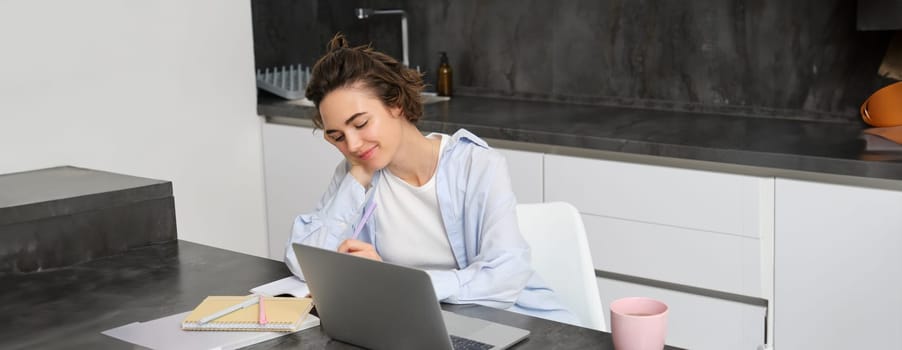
(638, 323)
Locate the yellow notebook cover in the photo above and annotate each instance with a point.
(283, 314)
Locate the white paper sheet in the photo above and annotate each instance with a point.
(166, 333)
(288, 285)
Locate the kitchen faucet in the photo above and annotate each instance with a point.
(364, 13)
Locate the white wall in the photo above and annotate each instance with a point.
(161, 89)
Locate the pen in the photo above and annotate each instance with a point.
(261, 319)
(366, 216)
(250, 301)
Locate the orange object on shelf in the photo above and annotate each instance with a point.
(884, 107)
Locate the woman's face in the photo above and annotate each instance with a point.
(364, 129)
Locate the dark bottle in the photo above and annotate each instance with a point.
(443, 85)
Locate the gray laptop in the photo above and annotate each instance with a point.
(380, 305)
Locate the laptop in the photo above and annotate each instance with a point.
(380, 305)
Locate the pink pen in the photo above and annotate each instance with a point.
(262, 318)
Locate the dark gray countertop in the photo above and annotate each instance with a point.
(793, 145)
(68, 308)
(66, 190)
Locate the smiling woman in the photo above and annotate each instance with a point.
(370, 134)
(445, 203)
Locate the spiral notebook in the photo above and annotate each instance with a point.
(283, 314)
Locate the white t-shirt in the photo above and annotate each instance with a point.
(409, 227)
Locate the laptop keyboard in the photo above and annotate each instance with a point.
(468, 344)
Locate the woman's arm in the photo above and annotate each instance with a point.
(333, 217)
(500, 269)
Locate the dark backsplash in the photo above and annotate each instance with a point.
(792, 59)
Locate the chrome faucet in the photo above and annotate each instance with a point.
(364, 13)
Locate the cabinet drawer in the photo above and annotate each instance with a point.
(709, 260)
(695, 199)
(525, 169)
(695, 321)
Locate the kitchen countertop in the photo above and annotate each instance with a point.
(743, 144)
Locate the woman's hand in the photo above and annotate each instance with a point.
(359, 248)
(363, 175)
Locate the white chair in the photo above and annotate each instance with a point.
(560, 254)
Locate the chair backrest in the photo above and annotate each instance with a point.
(560, 254)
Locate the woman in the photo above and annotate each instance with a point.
(440, 203)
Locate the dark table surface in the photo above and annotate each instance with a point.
(788, 144)
(68, 308)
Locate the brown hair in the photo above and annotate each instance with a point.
(389, 80)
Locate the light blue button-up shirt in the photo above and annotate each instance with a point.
(478, 209)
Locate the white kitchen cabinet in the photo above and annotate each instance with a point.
(687, 198)
(707, 232)
(526, 174)
(695, 321)
(298, 165)
(695, 258)
(838, 260)
(698, 228)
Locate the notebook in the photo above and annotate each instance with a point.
(283, 314)
(164, 333)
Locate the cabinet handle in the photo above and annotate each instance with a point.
(716, 294)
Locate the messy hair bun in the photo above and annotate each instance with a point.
(389, 80)
(337, 42)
